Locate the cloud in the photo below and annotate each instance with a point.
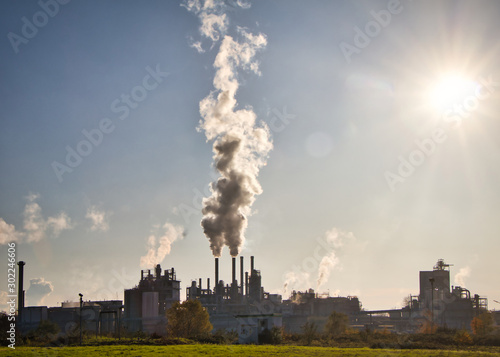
(36, 227)
(39, 289)
(98, 218)
(3, 301)
(8, 233)
(159, 248)
(462, 274)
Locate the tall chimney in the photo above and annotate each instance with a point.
(251, 265)
(20, 291)
(241, 275)
(208, 284)
(246, 283)
(234, 269)
(200, 283)
(216, 273)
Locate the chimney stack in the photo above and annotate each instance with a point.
(246, 283)
(251, 265)
(241, 275)
(216, 273)
(234, 270)
(20, 291)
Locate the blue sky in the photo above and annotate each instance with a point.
(350, 122)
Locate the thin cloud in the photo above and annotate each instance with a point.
(98, 218)
(36, 227)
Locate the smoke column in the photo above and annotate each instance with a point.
(462, 274)
(335, 239)
(240, 145)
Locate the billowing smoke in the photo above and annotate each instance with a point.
(462, 274)
(335, 239)
(159, 248)
(241, 146)
(39, 289)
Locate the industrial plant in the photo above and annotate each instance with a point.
(244, 306)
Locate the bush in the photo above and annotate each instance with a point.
(271, 337)
(462, 337)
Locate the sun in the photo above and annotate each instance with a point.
(450, 90)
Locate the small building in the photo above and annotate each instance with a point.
(147, 303)
(252, 325)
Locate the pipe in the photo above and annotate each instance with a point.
(241, 275)
(234, 269)
(251, 265)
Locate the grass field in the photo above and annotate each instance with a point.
(233, 350)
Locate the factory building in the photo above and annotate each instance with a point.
(240, 303)
(147, 303)
(436, 305)
(243, 305)
(308, 306)
(99, 317)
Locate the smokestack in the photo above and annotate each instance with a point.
(208, 283)
(251, 265)
(241, 274)
(216, 273)
(234, 269)
(246, 283)
(200, 283)
(20, 291)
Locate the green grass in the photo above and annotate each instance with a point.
(233, 350)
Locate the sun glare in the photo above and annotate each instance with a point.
(450, 90)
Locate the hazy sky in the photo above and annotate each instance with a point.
(383, 117)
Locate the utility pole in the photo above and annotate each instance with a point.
(81, 304)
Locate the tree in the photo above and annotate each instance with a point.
(482, 324)
(337, 324)
(47, 329)
(310, 331)
(188, 319)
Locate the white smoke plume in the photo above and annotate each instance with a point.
(295, 280)
(462, 274)
(159, 248)
(335, 239)
(240, 144)
(98, 218)
(39, 289)
(36, 227)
